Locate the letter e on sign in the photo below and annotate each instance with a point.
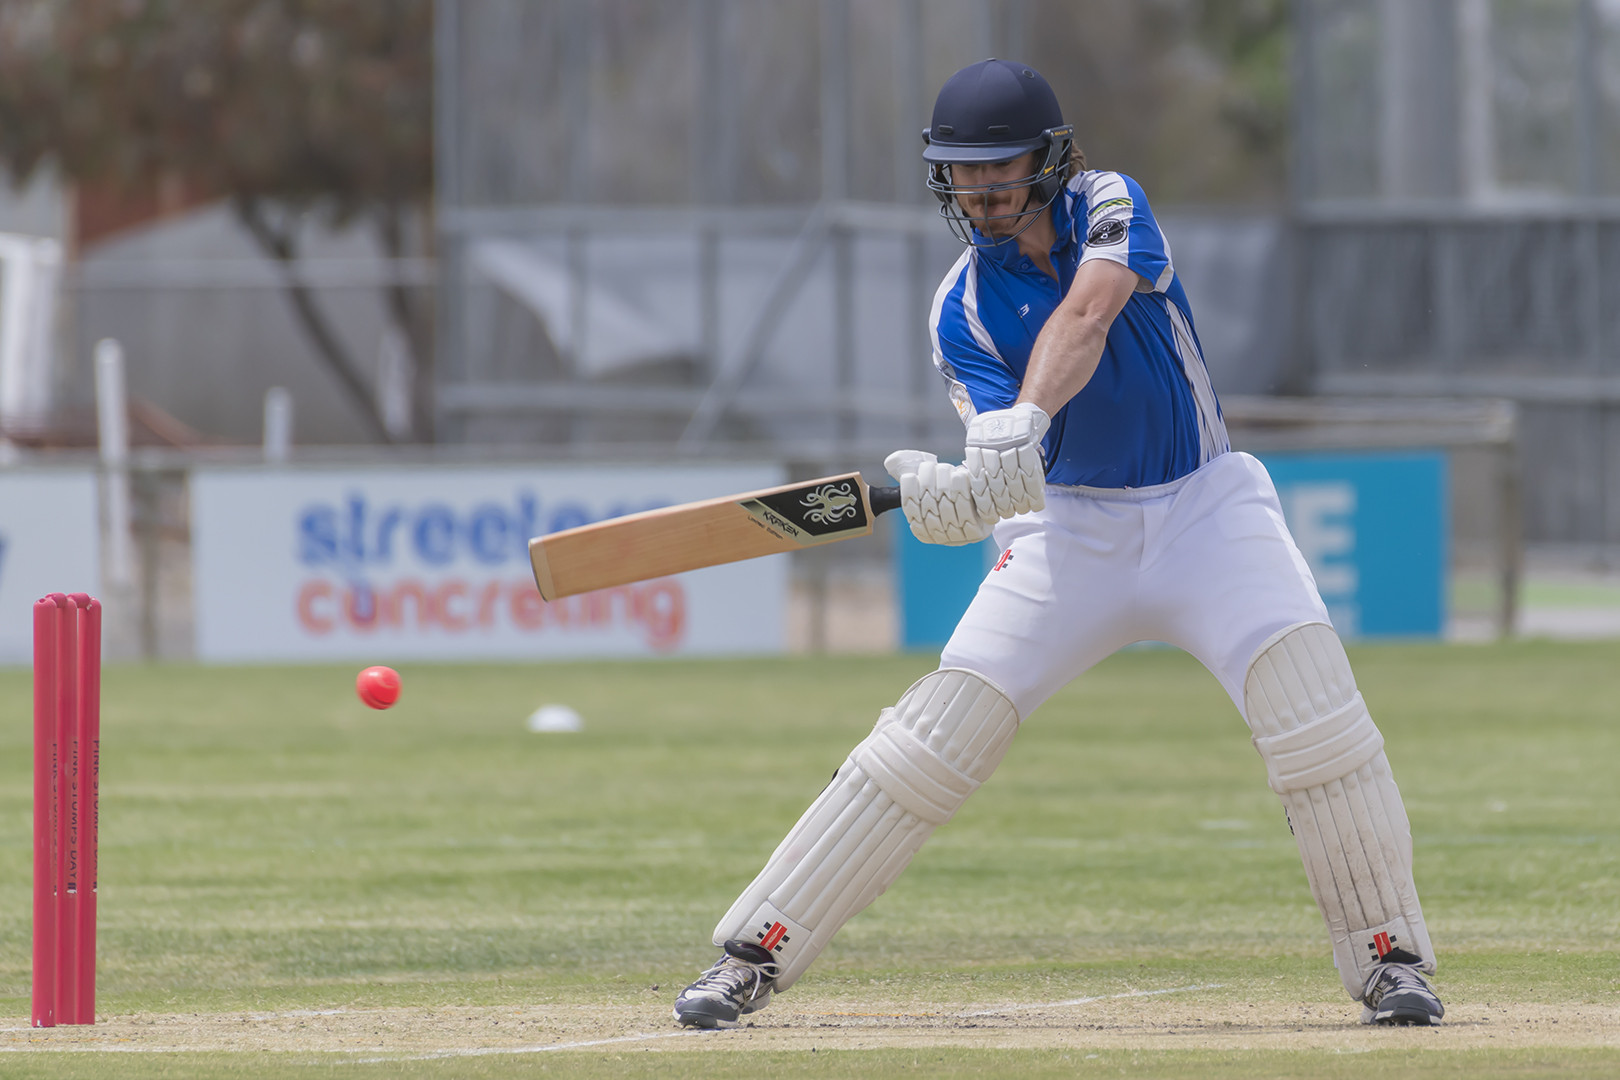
(1321, 517)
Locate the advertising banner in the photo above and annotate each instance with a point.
(49, 542)
(431, 562)
(934, 584)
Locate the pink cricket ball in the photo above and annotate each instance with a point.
(378, 686)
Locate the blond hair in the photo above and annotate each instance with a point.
(1077, 160)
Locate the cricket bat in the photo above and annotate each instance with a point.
(673, 539)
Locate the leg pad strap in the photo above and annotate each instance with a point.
(1324, 749)
(918, 780)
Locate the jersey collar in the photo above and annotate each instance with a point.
(1006, 253)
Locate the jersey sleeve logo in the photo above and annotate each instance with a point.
(1105, 233)
(1122, 203)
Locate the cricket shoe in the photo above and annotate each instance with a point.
(1397, 994)
(740, 982)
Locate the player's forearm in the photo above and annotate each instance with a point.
(1064, 359)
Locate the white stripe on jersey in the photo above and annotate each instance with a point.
(970, 308)
(1098, 187)
(955, 389)
(1169, 262)
(1212, 438)
(940, 294)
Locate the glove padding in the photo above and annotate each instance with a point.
(938, 500)
(1004, 459)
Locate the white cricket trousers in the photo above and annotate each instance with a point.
(1205, 563)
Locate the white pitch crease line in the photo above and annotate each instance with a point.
(91, 1048)
(292, 1014)
(1090, 1000)
(488, 1051)
(438, 1055)
(484, 1051)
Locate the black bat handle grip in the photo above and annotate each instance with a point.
(883, 499)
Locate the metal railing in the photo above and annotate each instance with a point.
(815, 241)
(1309, 424)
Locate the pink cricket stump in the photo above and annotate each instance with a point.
(67, 765)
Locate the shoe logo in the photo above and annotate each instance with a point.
(1006, 557)
(774, 936)
(1389, 950)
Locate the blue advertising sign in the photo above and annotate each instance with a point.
(1373, 526)
(934, 584)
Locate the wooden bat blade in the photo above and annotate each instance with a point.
(674, 539)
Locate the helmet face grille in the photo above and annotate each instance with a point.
(1042, 187)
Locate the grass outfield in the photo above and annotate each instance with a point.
(294, 885)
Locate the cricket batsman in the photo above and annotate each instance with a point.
(1097, 458)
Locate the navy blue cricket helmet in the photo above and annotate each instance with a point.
(992, 111)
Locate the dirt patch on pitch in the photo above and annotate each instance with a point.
(1142, 1023)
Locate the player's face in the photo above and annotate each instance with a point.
(988, 208)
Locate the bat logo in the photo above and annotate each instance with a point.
(831, 503)
(815, 512)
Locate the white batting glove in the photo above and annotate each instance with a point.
(1004, 458)
(937, 499)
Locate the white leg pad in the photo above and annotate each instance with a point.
(923, 759)
(1325, 758)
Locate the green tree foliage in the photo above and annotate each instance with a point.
(1189, 96)
(1249, 39)
(288, 108)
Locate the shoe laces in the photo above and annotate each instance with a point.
(1388, 979)
(731, 976)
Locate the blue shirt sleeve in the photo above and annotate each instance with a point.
(1120, 227)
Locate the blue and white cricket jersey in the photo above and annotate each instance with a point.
(1149, 415)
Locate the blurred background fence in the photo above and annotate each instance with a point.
(1457, 214)
(704, 222)
(1450, 230)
